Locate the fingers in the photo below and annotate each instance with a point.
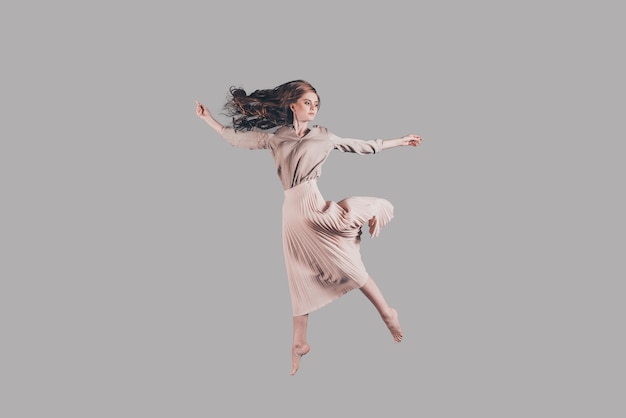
(200, 109)
(414, 140)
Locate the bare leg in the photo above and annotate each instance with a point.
(300, 346)
(387, 313)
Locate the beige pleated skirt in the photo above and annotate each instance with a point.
(321, 243)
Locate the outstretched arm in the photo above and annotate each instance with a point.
(249, 139)
(407, 140)
(360, 146)
(204, 114)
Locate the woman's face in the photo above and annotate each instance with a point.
(305, 109)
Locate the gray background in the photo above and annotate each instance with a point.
(142, 270)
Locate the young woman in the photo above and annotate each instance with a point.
(320, 238)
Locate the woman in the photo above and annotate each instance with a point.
(320, 238)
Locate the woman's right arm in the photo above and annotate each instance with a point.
(250, 139)
(204, 114)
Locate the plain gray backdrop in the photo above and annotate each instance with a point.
(142, 270)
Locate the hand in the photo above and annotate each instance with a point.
(411, 140)
(202, 111)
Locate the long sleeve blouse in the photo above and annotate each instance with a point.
(299, 159)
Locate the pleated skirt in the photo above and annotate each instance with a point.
(321, 243)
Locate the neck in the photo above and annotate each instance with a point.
(300, 127)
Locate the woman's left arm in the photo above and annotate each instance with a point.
(360, 146)
(407, 140)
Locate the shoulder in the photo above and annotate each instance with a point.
(283, 130)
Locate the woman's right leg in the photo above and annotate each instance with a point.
(300, 346)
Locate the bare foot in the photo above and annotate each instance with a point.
(296, 354)
(393, 324)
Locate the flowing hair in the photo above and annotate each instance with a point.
(265, 109)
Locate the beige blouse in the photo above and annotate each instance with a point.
(299, 159)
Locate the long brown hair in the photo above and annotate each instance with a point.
(265, 109)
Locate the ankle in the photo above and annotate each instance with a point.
(388, 314)
(300, 347)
